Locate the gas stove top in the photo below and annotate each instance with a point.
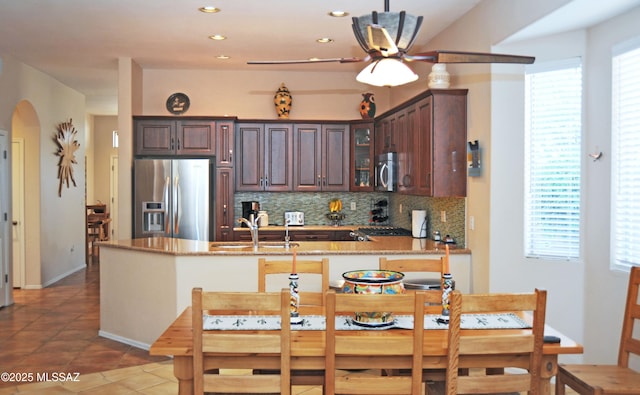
(384, 231)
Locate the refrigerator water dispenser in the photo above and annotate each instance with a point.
(153, 217)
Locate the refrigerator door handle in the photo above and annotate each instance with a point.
(176, 206)
(167, 220)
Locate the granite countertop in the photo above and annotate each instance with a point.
(293, 228)
(376, 246)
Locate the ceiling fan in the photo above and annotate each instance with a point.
(386, 37)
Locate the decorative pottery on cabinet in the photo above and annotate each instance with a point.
(283, 101)
(367, 106)
(439, 76)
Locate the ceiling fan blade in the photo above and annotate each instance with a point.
(468, 57)
(380, 40)
(327, 60)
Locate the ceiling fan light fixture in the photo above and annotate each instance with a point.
(325, 40)
(402, 28)
(387, 72)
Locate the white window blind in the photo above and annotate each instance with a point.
(625, 189)
(553, 127)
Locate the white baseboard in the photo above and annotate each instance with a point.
(63, 275)
(124, 340)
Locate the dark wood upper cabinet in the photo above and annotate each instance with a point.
(264, 157)
(429, 133)
(362, 159)
(225, 145)
(166, 137)
(321, 157)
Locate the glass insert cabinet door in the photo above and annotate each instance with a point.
(362, 157)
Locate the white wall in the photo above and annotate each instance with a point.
(580, 294)
(61, 252)
(249, 95)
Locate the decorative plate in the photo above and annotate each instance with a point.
(178, 103)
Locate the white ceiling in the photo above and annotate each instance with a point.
(78, 42)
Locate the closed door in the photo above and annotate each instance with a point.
(17, 171)
(4, 221)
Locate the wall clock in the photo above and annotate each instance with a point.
(178, 103)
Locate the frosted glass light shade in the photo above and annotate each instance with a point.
(387, 72)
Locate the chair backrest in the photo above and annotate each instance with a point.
(416, 265)
(629, 344)
(412, 265)
(265, 344)
(524, 346)
(316, 267)
(373, 348)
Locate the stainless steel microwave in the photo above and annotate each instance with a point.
(386, 172)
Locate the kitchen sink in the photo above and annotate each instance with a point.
(276, 245)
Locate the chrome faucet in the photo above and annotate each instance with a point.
(286, 233)
(253, 228)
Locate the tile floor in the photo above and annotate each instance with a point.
(55, 329)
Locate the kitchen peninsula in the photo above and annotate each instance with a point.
(146, 283)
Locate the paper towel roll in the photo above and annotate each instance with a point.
(419, 223)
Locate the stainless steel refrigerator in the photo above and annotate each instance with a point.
(173, 198)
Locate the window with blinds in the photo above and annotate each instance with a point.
(625, 166)
(553, 129)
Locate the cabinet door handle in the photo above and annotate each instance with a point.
(319, 177)
(172, 145)
(454, 154)
(324, 181)
(230, 155)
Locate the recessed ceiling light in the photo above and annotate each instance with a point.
(209, 9)
(324, 40)
(338, 14)
(218, 37)
(223, 57)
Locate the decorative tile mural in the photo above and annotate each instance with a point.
(316, 205)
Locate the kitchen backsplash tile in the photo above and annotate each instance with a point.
(316, 205)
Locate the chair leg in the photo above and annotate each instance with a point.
(559, 385)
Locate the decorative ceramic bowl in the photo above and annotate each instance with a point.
(373, 282)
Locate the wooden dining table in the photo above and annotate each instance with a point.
(308, 350)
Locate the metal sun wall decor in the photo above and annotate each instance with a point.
(67, 147)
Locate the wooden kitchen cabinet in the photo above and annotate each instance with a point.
(164, 136)
(225, 218)
(362, 159)
(429, 133)
(440, 141)
(225, 145)
(264, 157)
(263, 235)
(321, 157)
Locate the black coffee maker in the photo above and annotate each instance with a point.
(250, 211)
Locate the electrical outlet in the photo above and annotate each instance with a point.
(353, 206)
(472, 222)
(443, 216)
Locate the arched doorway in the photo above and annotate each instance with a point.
(25, 126)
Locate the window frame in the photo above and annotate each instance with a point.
(555, 65)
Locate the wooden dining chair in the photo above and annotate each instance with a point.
(270, 351)
(308, 299)
(312, 302)
(610, 379)
(518, 373)
(430, 267)
(403, 350)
